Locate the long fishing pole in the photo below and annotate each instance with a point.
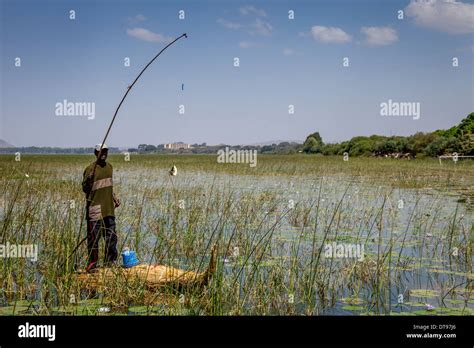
(129, 88)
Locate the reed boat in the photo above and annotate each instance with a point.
(152, 276)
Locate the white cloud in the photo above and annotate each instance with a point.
(379, 36)
(448, 16)
(329, 34)
(261, 28)
(246, 10)
(258, 27)
(228, 24)
(147, 35)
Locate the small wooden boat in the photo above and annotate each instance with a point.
(152, 276)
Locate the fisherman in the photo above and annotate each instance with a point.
(100, 208)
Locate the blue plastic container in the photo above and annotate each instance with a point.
(129, 258)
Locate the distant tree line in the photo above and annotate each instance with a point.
(458, 139)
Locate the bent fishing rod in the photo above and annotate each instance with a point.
(129, 88)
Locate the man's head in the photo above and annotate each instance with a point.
(103, 153)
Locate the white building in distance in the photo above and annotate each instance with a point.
(177, 146)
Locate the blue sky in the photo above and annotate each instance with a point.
(282, 62)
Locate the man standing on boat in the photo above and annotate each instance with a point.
(101, 202)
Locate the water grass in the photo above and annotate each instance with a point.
(271, 224)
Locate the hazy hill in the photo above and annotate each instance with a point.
(3, 143)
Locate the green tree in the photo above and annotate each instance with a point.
(436, 147)
(313, 143)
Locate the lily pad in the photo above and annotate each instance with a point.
(459, 311)
(352, 300)
(425, 293)
(454, 301)
(414, 304)
(138, 309)
(424, 312)
(11, 310)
